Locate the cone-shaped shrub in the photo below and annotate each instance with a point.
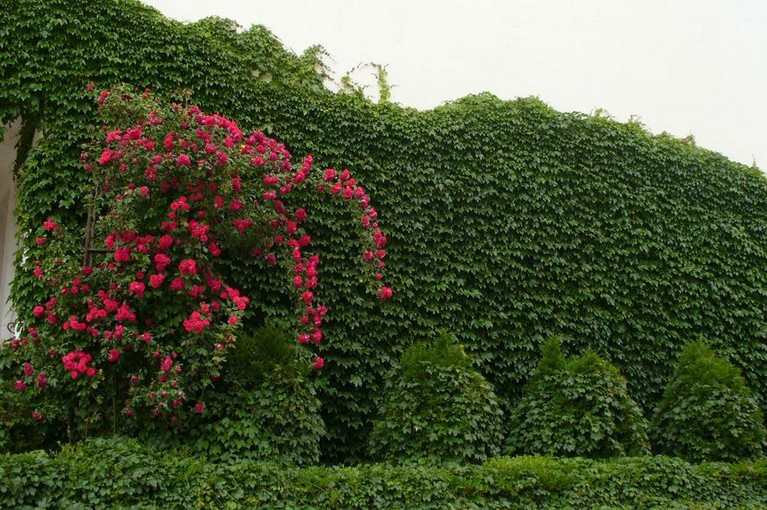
(438, 407)
(269, 410)
(708, 413)
(578, 407)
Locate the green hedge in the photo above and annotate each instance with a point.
(437, 407)
(509, 221)
(121, 473)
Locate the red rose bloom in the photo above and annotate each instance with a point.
(188, 266)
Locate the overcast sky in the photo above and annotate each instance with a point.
(683, 66)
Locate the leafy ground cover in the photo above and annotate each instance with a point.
(121, 473)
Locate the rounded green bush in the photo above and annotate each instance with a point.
(439, 408)
(278, 421)
(269, 409)
(708, 413)
(578, 407)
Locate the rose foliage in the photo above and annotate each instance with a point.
(182, 195)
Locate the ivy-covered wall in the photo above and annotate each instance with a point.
(508, 221)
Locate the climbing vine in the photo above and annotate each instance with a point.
(152, 318)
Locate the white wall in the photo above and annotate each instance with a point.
(7, 225)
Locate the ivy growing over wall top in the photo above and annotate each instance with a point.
(510, 221)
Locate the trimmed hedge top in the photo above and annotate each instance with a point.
(116, 473)
(511, 221)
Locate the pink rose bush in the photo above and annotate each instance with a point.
(150, 319)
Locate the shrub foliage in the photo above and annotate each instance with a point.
(438, 407)
(269, 408)
(708, 413)
(278, 421)
(578, 407)
(119, 473)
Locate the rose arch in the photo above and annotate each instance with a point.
(182, 196)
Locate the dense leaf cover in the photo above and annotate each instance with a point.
(576, 408)
(118, 473)
(707, 411)
(278, 421)
(269, 410)
(438, 407)
(511, 221)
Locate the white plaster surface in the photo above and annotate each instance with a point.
(7, 225)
